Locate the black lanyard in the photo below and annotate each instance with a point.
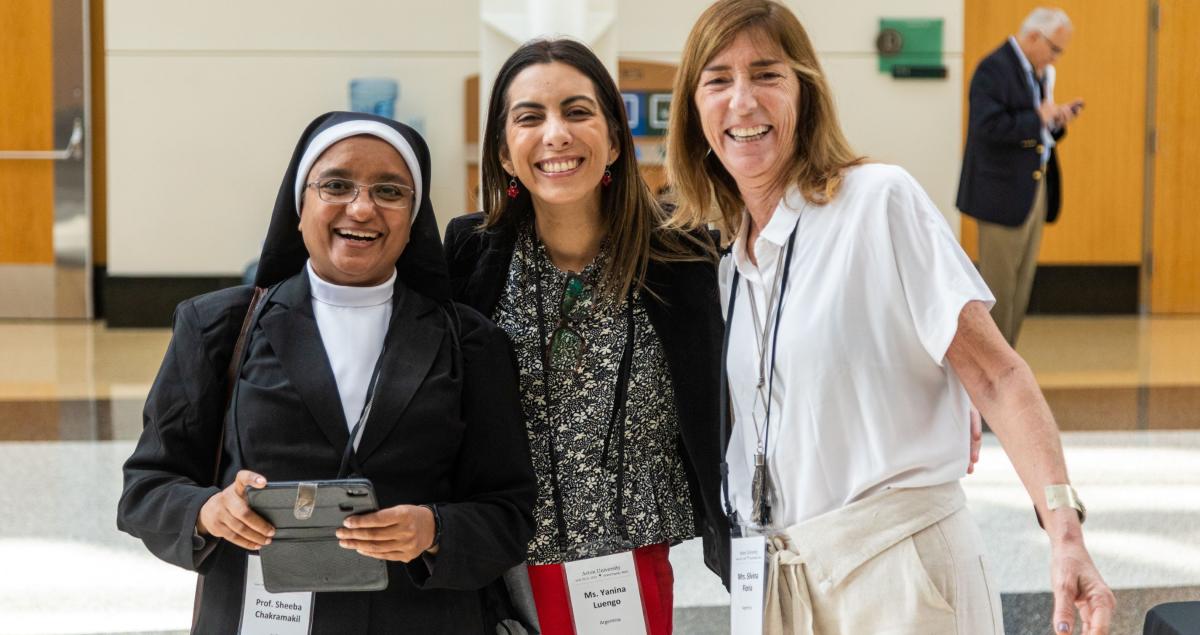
(730, 513)
(348, 458)
(616, 419)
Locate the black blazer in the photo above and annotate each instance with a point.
(1002, 159)
(689, 324)
(443, 429)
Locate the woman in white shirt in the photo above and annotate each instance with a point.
(858, 336)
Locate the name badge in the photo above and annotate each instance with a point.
(605, 598)
(747, 585)
(266, 613)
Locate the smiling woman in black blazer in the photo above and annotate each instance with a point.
(615, 323)
(362, 278)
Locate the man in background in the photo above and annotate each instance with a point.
(1010, 179)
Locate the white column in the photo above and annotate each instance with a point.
(506, 24)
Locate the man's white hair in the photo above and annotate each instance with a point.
(1045, 21)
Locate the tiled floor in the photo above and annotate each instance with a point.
(1125, 390)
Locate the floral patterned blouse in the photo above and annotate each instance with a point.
(656, 505)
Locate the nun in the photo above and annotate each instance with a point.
(356, 295)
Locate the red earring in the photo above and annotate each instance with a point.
(513, 191)
(606, 180)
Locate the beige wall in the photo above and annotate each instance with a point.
(206, 101)
(913, 123)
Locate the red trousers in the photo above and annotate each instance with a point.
(654, 578)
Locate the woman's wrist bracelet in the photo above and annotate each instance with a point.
(437, 526)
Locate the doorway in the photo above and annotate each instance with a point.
(45, 177)
(1128, 163)
(1173, 261)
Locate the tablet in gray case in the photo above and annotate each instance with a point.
(304, 554)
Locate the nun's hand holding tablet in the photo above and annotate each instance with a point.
(399, 533)
(227, 515)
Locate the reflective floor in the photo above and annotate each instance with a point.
(1126, 392)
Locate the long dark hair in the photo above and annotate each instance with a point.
(633, 219)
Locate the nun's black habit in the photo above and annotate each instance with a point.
(444, 428)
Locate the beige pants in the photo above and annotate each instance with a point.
(903, 562)
(1008, 261)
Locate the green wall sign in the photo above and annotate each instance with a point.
(909, 42)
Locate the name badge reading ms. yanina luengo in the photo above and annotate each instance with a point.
(605, 597)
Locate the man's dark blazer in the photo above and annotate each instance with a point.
(1002, 160)
(445, 428)
(686, 315)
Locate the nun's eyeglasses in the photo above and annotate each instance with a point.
(344, 191)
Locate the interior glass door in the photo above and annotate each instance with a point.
(45, 170)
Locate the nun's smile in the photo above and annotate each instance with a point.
(356, 243)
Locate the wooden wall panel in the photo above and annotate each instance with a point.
(474, 203)
(99, 148)
(1175, 284)
(643, 75)
(27, 102)
(1102, 157)
(471, 104)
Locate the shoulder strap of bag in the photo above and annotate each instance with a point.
(231, 373)
(235, 367)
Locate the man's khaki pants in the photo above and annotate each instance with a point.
(1007, 262)
(901, 562)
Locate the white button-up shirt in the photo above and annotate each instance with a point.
(863, 399)
(1047, 138)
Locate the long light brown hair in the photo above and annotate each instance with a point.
(704, 190)
(633, 219)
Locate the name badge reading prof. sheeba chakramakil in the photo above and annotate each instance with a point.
(266, 613)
